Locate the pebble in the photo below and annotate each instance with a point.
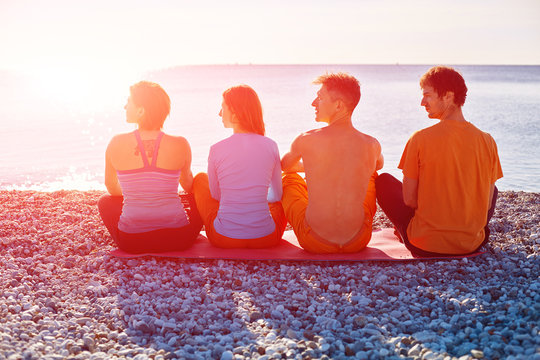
(65, 297)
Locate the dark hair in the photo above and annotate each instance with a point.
(154, 100)
(443, 79)
(343, 86)
(245, 104)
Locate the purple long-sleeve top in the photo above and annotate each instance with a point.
(244, 172)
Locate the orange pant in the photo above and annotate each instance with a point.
(295, 202)
(208, 209)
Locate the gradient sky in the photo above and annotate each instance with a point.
(145, 35)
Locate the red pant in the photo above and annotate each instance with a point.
(161, 240)
(208, 209)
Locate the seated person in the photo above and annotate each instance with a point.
(143, 212)
(332, 210)
(239, 198)
(448, 193)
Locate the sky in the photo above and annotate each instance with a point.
(129, 35)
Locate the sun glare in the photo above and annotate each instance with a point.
(81, 87)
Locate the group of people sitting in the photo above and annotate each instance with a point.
(249, 193)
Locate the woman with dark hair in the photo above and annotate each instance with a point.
(143, 210)
(239, 199)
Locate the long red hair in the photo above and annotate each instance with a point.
(245, 104)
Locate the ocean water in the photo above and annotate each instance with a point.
(55, 131)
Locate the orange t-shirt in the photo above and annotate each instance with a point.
(455, 165)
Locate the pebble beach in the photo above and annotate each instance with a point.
(64, 297)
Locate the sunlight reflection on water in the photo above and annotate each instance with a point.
(55, 138)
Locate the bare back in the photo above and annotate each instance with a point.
(174, 153)
(339, 162)
(125, 154)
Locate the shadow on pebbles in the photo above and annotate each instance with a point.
(63, 297)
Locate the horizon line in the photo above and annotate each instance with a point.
(169, 67)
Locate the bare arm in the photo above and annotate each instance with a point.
(410, 192)
(491, 190)
(380, 162)
(213, 181)
(111, 179)
(291, 161)
(275, 191)
(186, 176)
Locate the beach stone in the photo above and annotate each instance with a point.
(414, 351)
(226, 355)
(188, 309)
(256, 315)
(89, 343)
(291, 334)
(309, 334)
(83, 320)
(477, 354)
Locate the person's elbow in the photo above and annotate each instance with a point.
(114, 189)
(410, 192)
(288, 162)
(274, 195)
(186, 181)
(380, 163)
(285, 164)
(410, 201)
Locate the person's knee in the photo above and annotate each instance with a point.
(106, 201)
(386, 185)
(200, 182)
(200, 177)
(103, 200)
(383, 179)
(288, 178)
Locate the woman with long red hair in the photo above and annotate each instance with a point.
(239, 198)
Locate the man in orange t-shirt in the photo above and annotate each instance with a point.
(448, 193)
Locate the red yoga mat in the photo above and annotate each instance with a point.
(383, 246)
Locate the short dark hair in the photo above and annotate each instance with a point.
(154, 100)
(344, 85)
(443, 79)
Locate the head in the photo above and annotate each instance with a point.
(242, 106)
(342, 89)
(445, 81)
(148, 105)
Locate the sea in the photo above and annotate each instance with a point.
(55, 129)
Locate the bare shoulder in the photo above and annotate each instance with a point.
(303, 141)
(306, 136)
(368, 139)
(119, 140)
(177, 141)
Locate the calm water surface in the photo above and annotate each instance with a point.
(55, 138)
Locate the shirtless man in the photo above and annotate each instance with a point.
(340, 164)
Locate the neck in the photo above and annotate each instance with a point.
(453, 113)
(341, 120)
(149, 131)
(237, 129)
